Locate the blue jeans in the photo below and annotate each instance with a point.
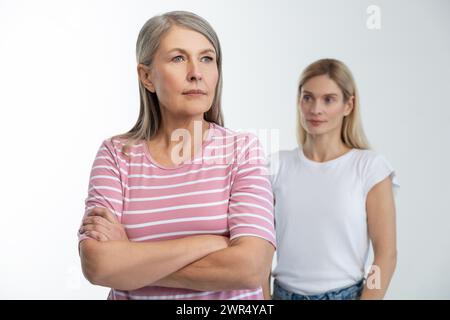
(349, 293)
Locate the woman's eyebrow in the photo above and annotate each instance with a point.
(331, 94)
(177, 50)
(185, 52)
(208, 51)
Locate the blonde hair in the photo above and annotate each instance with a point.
(149, 39)
(352, 133)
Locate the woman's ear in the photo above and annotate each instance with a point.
(349, 106)
(145, 78)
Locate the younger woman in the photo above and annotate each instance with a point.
(332, 196)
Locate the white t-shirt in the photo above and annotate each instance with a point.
(320, 217)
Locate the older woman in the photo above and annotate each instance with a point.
(333, 196)
(171, 218)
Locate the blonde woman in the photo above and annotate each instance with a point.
(183, 218)
(333, 195)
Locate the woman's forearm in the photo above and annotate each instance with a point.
(379, 278)
(128, 265)
(242, 266)
(223, 270)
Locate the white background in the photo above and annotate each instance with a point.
(68, 81)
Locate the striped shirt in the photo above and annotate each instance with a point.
(224, 190)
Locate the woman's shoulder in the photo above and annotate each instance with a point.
(242, 142)
(114, 141)
(367, 157)
(374, 166)
(221, 133)
(122, 147)
(284, 156)
(281, 159)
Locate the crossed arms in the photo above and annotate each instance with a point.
(204, 263)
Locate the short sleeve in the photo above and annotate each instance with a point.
(105, 186)
(251, 199)
(377, 169)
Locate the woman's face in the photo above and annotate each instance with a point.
(184, 73)
(322, 106)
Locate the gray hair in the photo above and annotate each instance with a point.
(149, 39)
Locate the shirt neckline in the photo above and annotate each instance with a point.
(325, 163)
(197, 156)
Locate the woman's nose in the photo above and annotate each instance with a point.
(194, 73)
(316, 108)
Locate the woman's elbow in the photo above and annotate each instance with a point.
(97, 269)
(90, 275)
(250, 282)
(90, 264)
(259, 268)
(256, 276)
(393, 258)
(391, 255)
(388, 257)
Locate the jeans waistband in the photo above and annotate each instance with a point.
(349, 292)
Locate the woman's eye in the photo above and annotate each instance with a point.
(178, 59)
(329, 100)
(207, 59)
(306, 98)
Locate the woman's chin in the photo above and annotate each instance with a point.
(193, 111)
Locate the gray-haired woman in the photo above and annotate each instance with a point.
(179, 220)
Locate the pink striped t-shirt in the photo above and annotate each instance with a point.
(224, 191)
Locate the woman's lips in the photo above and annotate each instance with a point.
(316, 123)
(194, 93)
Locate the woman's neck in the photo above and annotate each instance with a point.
(178, 140)
(173, 130)
(321, 148)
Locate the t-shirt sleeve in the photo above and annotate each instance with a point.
(377, 169)
(251, 199)
(105, 186)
